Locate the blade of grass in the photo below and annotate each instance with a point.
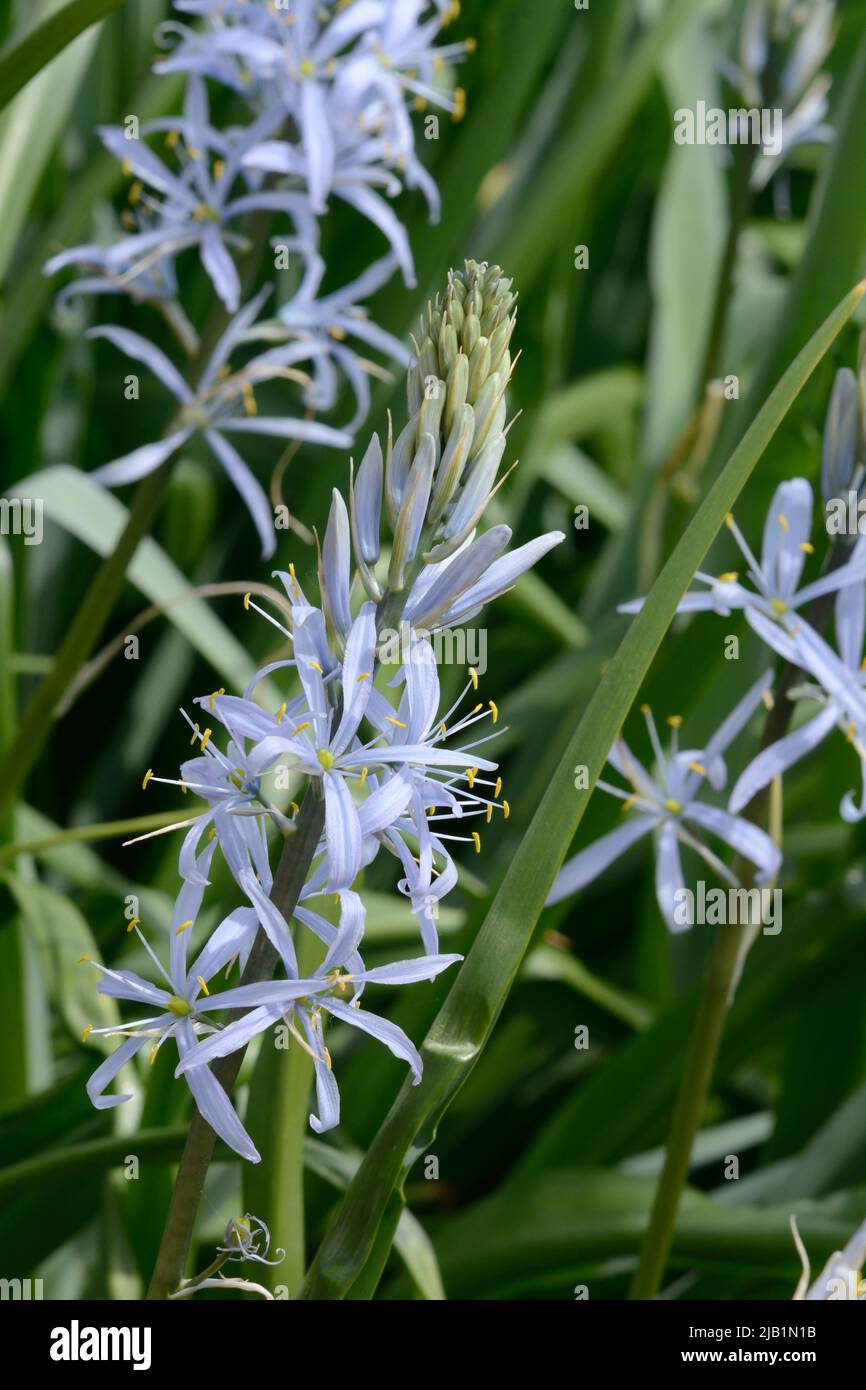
(27, 54)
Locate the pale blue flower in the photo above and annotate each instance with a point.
(300, 1003)
(669, 804)
(222, 403)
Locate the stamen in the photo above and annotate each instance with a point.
(205, 739)
(473, 676)
(85, 959)
(778, 605)
(498, 788)
(184, 926)
(477, 709)
(205, 989)
(389, 719)
(506, 809)
(767, 699)
(443, 728)
(316, 667)
(673, 806)
(807, 548)
(295, 807)
(471, 774)
(86, 1034)
(494, 710)
(477, 841)
(364, 676)
(247, 602)
(489, 812)
(280, 712)
(629, 802)
(675, 721)
(364, 772)
(136, 922)
(698, 768)
(146, 778)
(307, 724)
(783, 522)
(729, 577)
(196, 733)
(221, 691)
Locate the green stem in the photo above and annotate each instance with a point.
(697, 1074)
(292, 870)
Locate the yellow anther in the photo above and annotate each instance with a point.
(443, 728)
(783, 522)
(86, 1034)
(211, 834)
(171, 139)
(136, 922)
(204, 987)
(729, 577)
(126, 169)
(221, 691)
(316, 667)
(471, 774)
(280, 712)
(307, 724)
(193, 152)
(249, 399)
(308, 67)
(476, 838)
(364, 676)
(184, 788)
(698, 768)
(326, 759)
(184, 926)
(473, 676)
(645, 709)
(673, 806)
(389, 719)
(219, 168)
(205, 738)
(498, 788)
(506, 809)
(363, 779)
(478, 709)
(489, 812)
(768, 700)
(629, 802)
(779, 606)
(247, 602)
(420, 104)
(84, 960)
(431, 810)
(135, 192)
(146, 778)
(154, 1052)
(675, 721)
(196, 733)
(295, 807)
(494, 710)
(807, 548)
(337, 333)
(327, 1056)
(729, 519)
(850, 732)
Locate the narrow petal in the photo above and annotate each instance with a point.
(669, 877)
(250, 489)
(357, 675)
(213, 1103)
(107, 1071)
(140, 462)
(779, 757)
(380, 1028)
(342, 834)
(221, 269)
(593, 860)
(747, 839)
(140, 350)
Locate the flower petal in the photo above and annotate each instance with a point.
(590, 862)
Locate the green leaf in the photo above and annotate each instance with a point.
(27, 54)
(93, 515)
(463, 1025)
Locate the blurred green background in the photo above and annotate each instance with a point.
(545, 1163)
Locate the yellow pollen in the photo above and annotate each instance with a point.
(431, 810)
(729, 519)
(316, 667)
(364, 676)
(494, 710)
(337, 333)
(328, 1063)
(471, 774)
(675, 721)
(86, 1034)
(146, 778)
(807, 548)
(205, 989)
(629, 802)
(778, 605)
(221, 691)
(135, 193)
(84, 959)
(498, 788)
(308, 67)
(783, 522)
(295, 807)
(184, 926)
(249, 399)
(850, 732)
(443, 728)
(363, 779)
(171, 139)
(307, 724)
(247, 602)
(477, 841)
(673, 806)
(326, 759)
(699, 768)
(219, 168)
(489, 812)
(506, 809)
(729, 577)
(196, 733)
(645, 709)
(136, 922)
(473, 676)
(126, 169)
(389, 719)
(471, 44)
(477, 709)
(280, 712)
(205, 738)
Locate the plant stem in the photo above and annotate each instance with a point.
(741, 199)
(697, 1074)
(290, 877)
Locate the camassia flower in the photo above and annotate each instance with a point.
(776, 577)
(180, 1010)
(840, 689)
(669, 805)
(222, 403)
(300, 1003)
(840, 1280)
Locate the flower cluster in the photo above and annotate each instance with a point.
(325, 89)
(787, 616)
(387, 764)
